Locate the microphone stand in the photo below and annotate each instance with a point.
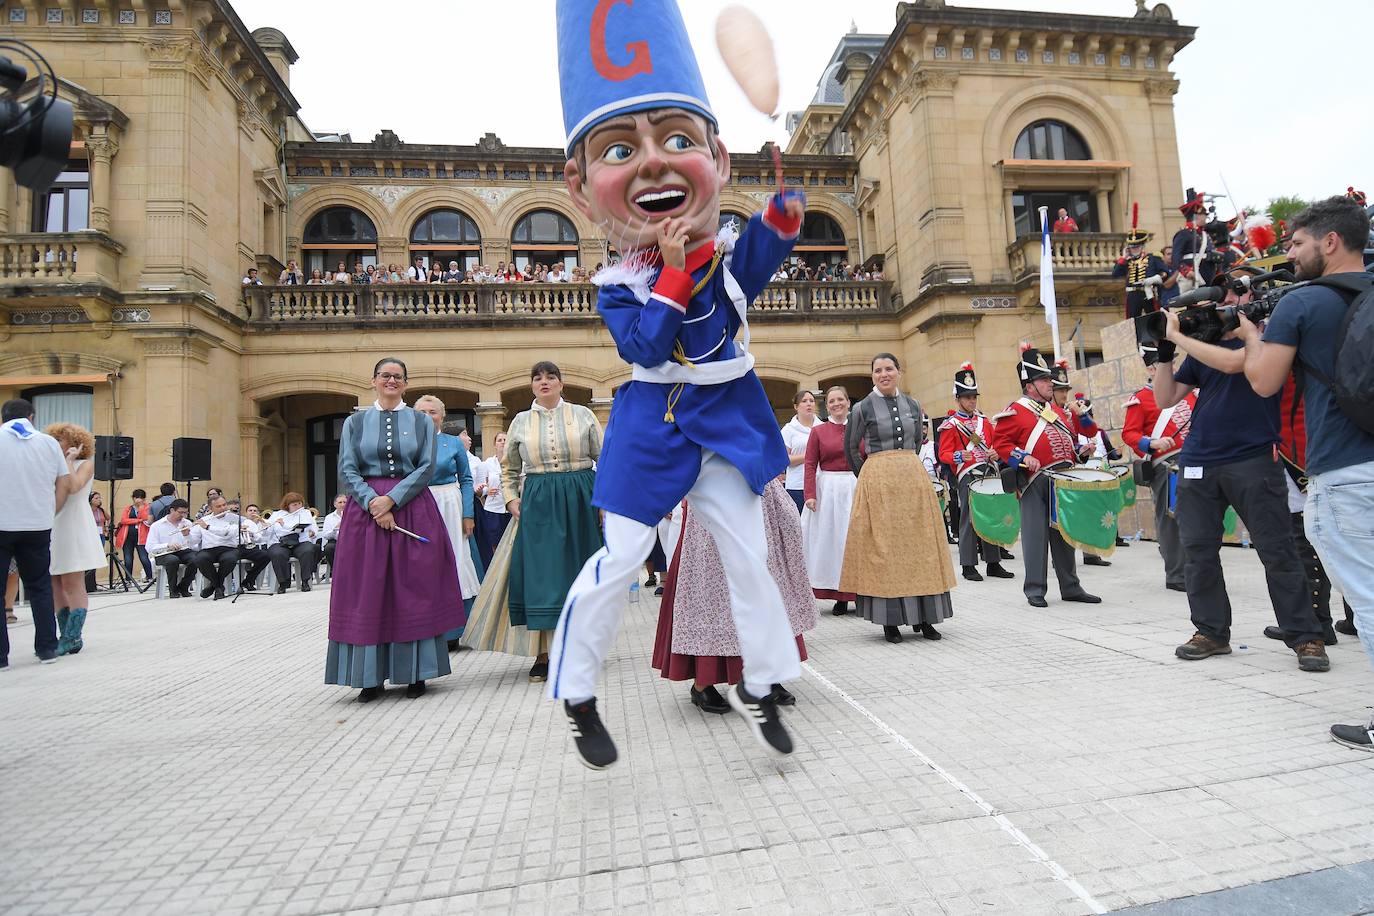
(240, 591)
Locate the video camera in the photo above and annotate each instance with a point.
(1201, 318)
(35, 135)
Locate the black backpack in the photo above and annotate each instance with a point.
(1352, 381)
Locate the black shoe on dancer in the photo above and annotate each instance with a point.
(840, 609)
(416, 689)
(782, 696)
(368, 694)
(892, 634)
(928, 631)
(594, 745)
(761, 713)
(709, 700)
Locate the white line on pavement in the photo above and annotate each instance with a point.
(1002, 820)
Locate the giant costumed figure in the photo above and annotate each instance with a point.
(646, 164)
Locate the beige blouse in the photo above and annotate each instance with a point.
(541, 441)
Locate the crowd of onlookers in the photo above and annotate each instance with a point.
(437, 271)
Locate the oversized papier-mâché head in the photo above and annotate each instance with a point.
(641, 137)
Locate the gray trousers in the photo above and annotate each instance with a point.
(1256, 489)
(1039, 542)
(1166, 529)
(971, 546)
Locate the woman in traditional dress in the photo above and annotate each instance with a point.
(696, 638)
(553, 529)
(489, 505)
(795, 435)
(829, 497)
(394, 594)
(895, 557)
(75, 543)
(451, 487)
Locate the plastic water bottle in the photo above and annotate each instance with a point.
(1245, 538)
(1138, 536)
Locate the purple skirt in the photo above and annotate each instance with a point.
(388, 587)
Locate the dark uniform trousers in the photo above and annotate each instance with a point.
(971, 546)
(170, 562)
(216, 563)
(1039, 542)
(1255, 487)
(1166, 529)
(257, 558)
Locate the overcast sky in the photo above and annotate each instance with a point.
(1275, 93)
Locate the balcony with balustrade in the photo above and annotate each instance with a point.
(429, 305)
(1077, 255)
(80, 268)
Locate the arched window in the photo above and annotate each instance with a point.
(1049, 139)
(739, 219)
(822, 241)
(543, 237)
(338, 235)
(446, 235)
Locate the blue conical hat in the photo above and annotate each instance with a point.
(617, 57)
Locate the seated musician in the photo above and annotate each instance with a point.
(257, 537)
(294, 535)
(221, 536)
(329, 531)
(173, 541)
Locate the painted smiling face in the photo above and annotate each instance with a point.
(634, 171)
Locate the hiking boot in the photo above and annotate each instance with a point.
(1312, 656)
(761, 714)
(1200, 647)
(595, 748)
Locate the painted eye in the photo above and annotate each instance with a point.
(678, 143)
(617, 152)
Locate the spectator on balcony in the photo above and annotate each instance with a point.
(381, 274)
(417, 273)
(514, 275)
(454, 274)
(251, 278)
(436, 272)
(361, 275)
(1065, 223)
(291, 276)
(316, 278)
(780, 275)
(341, 274)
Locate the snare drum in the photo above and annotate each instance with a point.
(1126, 478)
(996, 515)
(1085, 506)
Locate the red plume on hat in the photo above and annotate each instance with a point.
(1262, 237)
(1061, 363)
(1357, 196)
(1025, 345)
(966, 367)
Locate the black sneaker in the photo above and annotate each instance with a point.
(1360, 737)
(761, 713)
(594, 745)
(651, 581)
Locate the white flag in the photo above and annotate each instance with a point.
(1047, 297)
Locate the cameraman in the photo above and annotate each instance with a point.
(1328, 240)
(1230, 458)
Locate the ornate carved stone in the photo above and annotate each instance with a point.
(168, 50)
(490, 143)
(102, 147)
(387, 139)
(495, 197)
(1161, 88)
(388, 194)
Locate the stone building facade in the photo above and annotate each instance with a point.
(121, 303)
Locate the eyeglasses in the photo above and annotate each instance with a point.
(390, 377)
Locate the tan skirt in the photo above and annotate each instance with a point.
(896, 546)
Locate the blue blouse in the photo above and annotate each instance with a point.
(451, 466)
(399, 444)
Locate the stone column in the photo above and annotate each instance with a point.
(6, 200)
(250, 461)
(101, 148)
(1010, 209)
(601, 407)
(1105, 217)
(175, 404)
(394, 250)
(492, 417)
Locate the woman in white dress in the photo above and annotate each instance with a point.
(75, 538)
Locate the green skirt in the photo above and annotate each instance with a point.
(559, 530)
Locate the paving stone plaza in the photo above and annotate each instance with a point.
(191, 760)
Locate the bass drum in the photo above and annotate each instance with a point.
(1126, 478)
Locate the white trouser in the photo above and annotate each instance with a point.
(723, 502)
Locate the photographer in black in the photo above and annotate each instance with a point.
(1302, 334)
(1230, 459)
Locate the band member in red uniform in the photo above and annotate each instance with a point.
(1034, 435)
(1157, 435)
(965, 450)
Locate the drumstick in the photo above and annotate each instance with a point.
(419, 537)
